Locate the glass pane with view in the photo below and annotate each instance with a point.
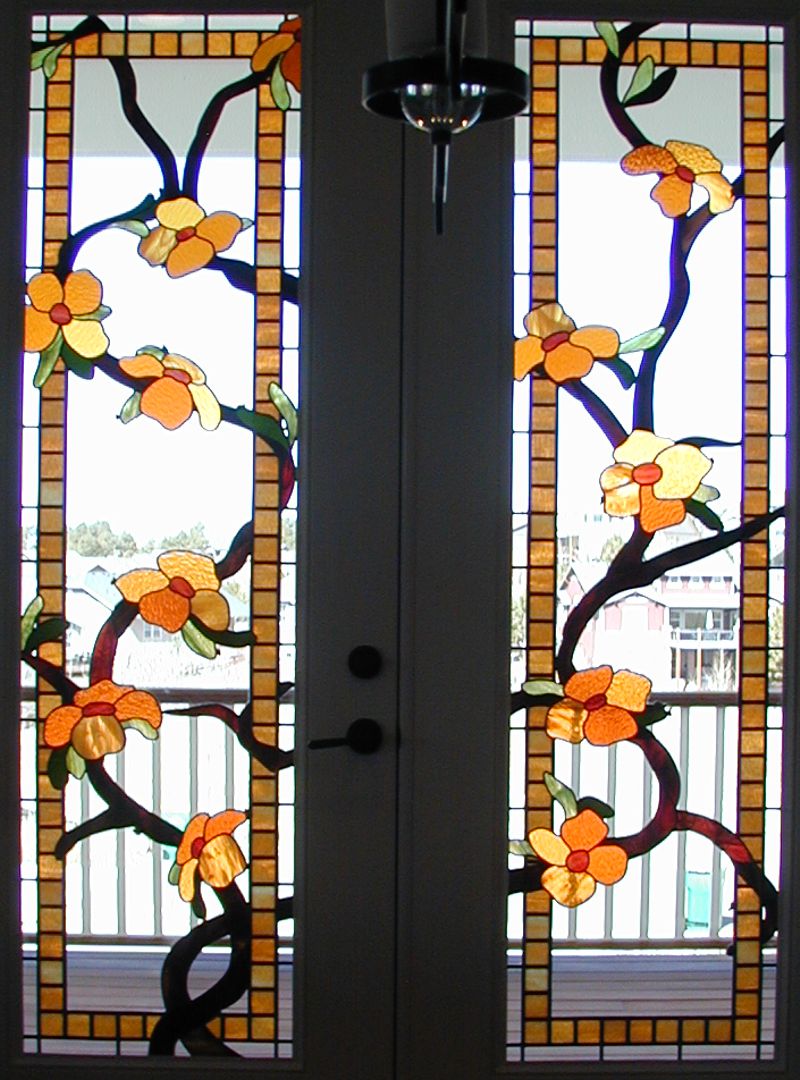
(649, 447)
(159, 524)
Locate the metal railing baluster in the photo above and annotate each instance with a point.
(680, 876)
(158, 928)
(644, 891)
(122, 927)
(715, 914)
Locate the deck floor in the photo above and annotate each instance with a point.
(584, 984)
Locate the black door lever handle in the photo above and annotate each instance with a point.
(364, 736)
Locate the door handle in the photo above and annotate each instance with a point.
(364, 736)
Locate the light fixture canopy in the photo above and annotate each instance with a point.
(446, 89)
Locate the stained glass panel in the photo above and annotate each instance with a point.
(159, 534)
(648, 505)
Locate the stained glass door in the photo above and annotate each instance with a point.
(174, 873)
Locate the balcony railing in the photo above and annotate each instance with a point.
(679, 633)
(681, 893)
(677, 895)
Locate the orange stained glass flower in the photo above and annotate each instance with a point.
(94, 724)
(185, 239)
(185, 585)
(176, 388)
(208, 848)
(286, 42)
(599, 705)
(555, 344)
(578, 858)
(651, 478)
(67, 309)
(680, 166)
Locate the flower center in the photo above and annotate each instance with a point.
(554, 340)
(197, 846)
(185, 234)
(596, 701)
(577, 861)
(649, 473)
(182, 587)
(179, 376)
(60, 314)
(98, 708)
(684, 174)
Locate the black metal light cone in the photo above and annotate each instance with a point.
(506, 86)
(445, 92)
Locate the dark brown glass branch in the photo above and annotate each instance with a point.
(183, 1014)
(609, 79)
(209, 120)
(602, 415)
(630, 574)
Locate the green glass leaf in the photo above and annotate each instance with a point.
(96, 315)
(47, 361)
(520, 847)
(234, 639)
(608, 32)
(174, 875)
(645, 340)
(562, 794)
(537, 687)
(706, 493)
(197, 641)
(57, 768)
(29, 617)
(285, 407)
(49, 630)
(654, 712)
(704, 514)
(247, 223)
(132, 408)
(152, 350)
(75, 763)
(78, 365)
(623, 370)
(280, 92)
(37, 57)
(657, 89)
(642, 78)
(50, 62)
(133, 226)
(143, 727)
(267, 427)
(602, 809)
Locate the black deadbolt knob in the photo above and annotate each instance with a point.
(365, 662)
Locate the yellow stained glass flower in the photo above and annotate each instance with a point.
(681, 165)
(175, 389)
(95, 721)
(599, 705)
(208, 848)
(185, 239)
(66, 308)
(554, 343)
(651, 478)
(578, 858)
(286, 41)
(185, 584)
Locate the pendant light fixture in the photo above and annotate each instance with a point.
(439, 79)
